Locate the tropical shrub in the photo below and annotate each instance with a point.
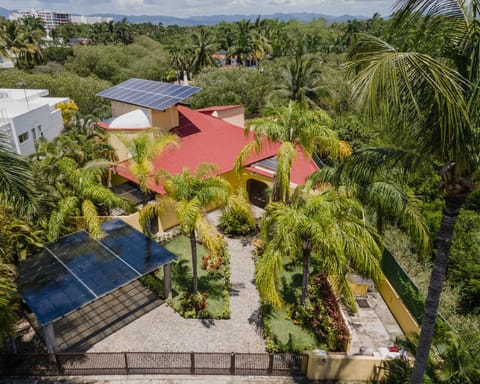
(193, 305)
(237, 218)
(322, 315)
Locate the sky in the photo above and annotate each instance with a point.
(187, 8)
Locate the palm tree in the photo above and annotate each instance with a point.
(192, 195)
(18, 195)
(292, 126)
(204, 48)
(431, 112)
(82, 193)
(301, 80)
(328, 226)
(143, 149)
(392, 201)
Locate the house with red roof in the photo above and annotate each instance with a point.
(209, 135)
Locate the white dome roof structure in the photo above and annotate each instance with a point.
(133, 119)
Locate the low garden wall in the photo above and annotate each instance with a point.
(326, 366)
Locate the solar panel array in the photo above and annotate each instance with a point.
(149, 94)
(77, 269)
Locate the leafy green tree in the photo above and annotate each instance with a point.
(327, 226)
(192, 195)
(291, 126)
(430, 111)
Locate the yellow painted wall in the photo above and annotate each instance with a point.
(116, 143)
(343, 367)
(404, 318)
(132, 220)
(235, 116)
(119, 108)
(165, 120)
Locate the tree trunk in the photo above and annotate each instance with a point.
(306, 273)
(449, 218)
(193, 246)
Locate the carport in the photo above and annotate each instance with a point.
(84, 287)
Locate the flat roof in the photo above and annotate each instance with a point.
(77, 269)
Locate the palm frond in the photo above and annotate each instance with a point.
(90, 215)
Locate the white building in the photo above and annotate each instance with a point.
(77, 19)
(51, 19)
(26, 115)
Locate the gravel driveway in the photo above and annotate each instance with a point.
(163, 330)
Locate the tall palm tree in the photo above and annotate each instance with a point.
(328, 226)
(292, 126)
(430, 110)
(192, 195)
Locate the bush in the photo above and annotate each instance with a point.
(194, 305)
(322, 315)
(237, 218)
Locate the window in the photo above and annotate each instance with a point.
(34, 134)
(23, 137)
(39, 127)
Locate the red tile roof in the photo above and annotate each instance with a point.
(218, 108)
(206, 139)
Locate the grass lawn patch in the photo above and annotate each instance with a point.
(214, 284)
(282, 333)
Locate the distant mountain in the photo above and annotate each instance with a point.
(215, 19)
(4, 12)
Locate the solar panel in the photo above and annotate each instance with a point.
(148, 93)
(76, 269)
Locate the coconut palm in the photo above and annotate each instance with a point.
(292, 126)
(327, 226)
(430, 110)
(301, 80)
(204, 48)
(191, 196)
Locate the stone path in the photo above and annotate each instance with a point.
(163, 330)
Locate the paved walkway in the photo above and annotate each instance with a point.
(164, 330)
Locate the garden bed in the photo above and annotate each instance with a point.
(318, 325)
(215, 285)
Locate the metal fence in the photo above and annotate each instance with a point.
(176, 363)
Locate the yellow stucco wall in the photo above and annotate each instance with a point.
(165, 120)
(235, 116)
(116, 143)
(404, 318)
(119, 108)
(343, 367)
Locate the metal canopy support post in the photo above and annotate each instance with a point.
(49, 336)
(167, 280)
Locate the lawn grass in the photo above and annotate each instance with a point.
(282, 334)
(213, 284)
